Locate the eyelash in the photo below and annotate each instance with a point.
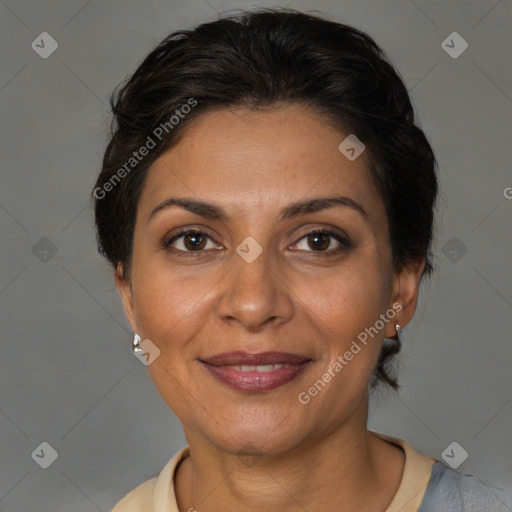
(344, 243)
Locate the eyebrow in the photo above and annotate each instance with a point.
(214, 212)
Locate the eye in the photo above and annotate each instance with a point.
(195, 241)
(322, 241)
(190, 240)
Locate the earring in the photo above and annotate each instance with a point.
(398, 328)
(136, 342)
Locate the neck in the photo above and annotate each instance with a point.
(349, 465)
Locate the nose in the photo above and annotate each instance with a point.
(255, 295)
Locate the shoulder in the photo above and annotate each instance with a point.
(451, 491)
(138, 500)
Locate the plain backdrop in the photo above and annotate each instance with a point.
(67, 374)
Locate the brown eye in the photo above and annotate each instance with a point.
(322, 241)
(319, 241)
(189, 241)
(194, 241)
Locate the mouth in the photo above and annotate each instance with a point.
(259, 372)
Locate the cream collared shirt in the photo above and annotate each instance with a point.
(157, 494)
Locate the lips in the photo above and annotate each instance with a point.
(255, 372)
(261, 358)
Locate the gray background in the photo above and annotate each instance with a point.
(67, 374)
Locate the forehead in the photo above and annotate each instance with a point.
(248, 159)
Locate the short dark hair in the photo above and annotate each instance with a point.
(262, 59)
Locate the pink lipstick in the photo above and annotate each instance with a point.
(263, 371)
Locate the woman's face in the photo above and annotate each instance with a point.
(255, 282)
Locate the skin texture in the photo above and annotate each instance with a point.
(291, 298)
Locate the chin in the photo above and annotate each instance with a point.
(256, 436)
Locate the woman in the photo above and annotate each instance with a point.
(267, 204)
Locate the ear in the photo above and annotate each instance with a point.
(405, 292)
(125, 290)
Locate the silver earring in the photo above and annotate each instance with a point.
(398, 328)
(136, 342)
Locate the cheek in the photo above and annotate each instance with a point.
(171, 304)
(350, 298)
(345, 308)
(170, 311)
(165, 308)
